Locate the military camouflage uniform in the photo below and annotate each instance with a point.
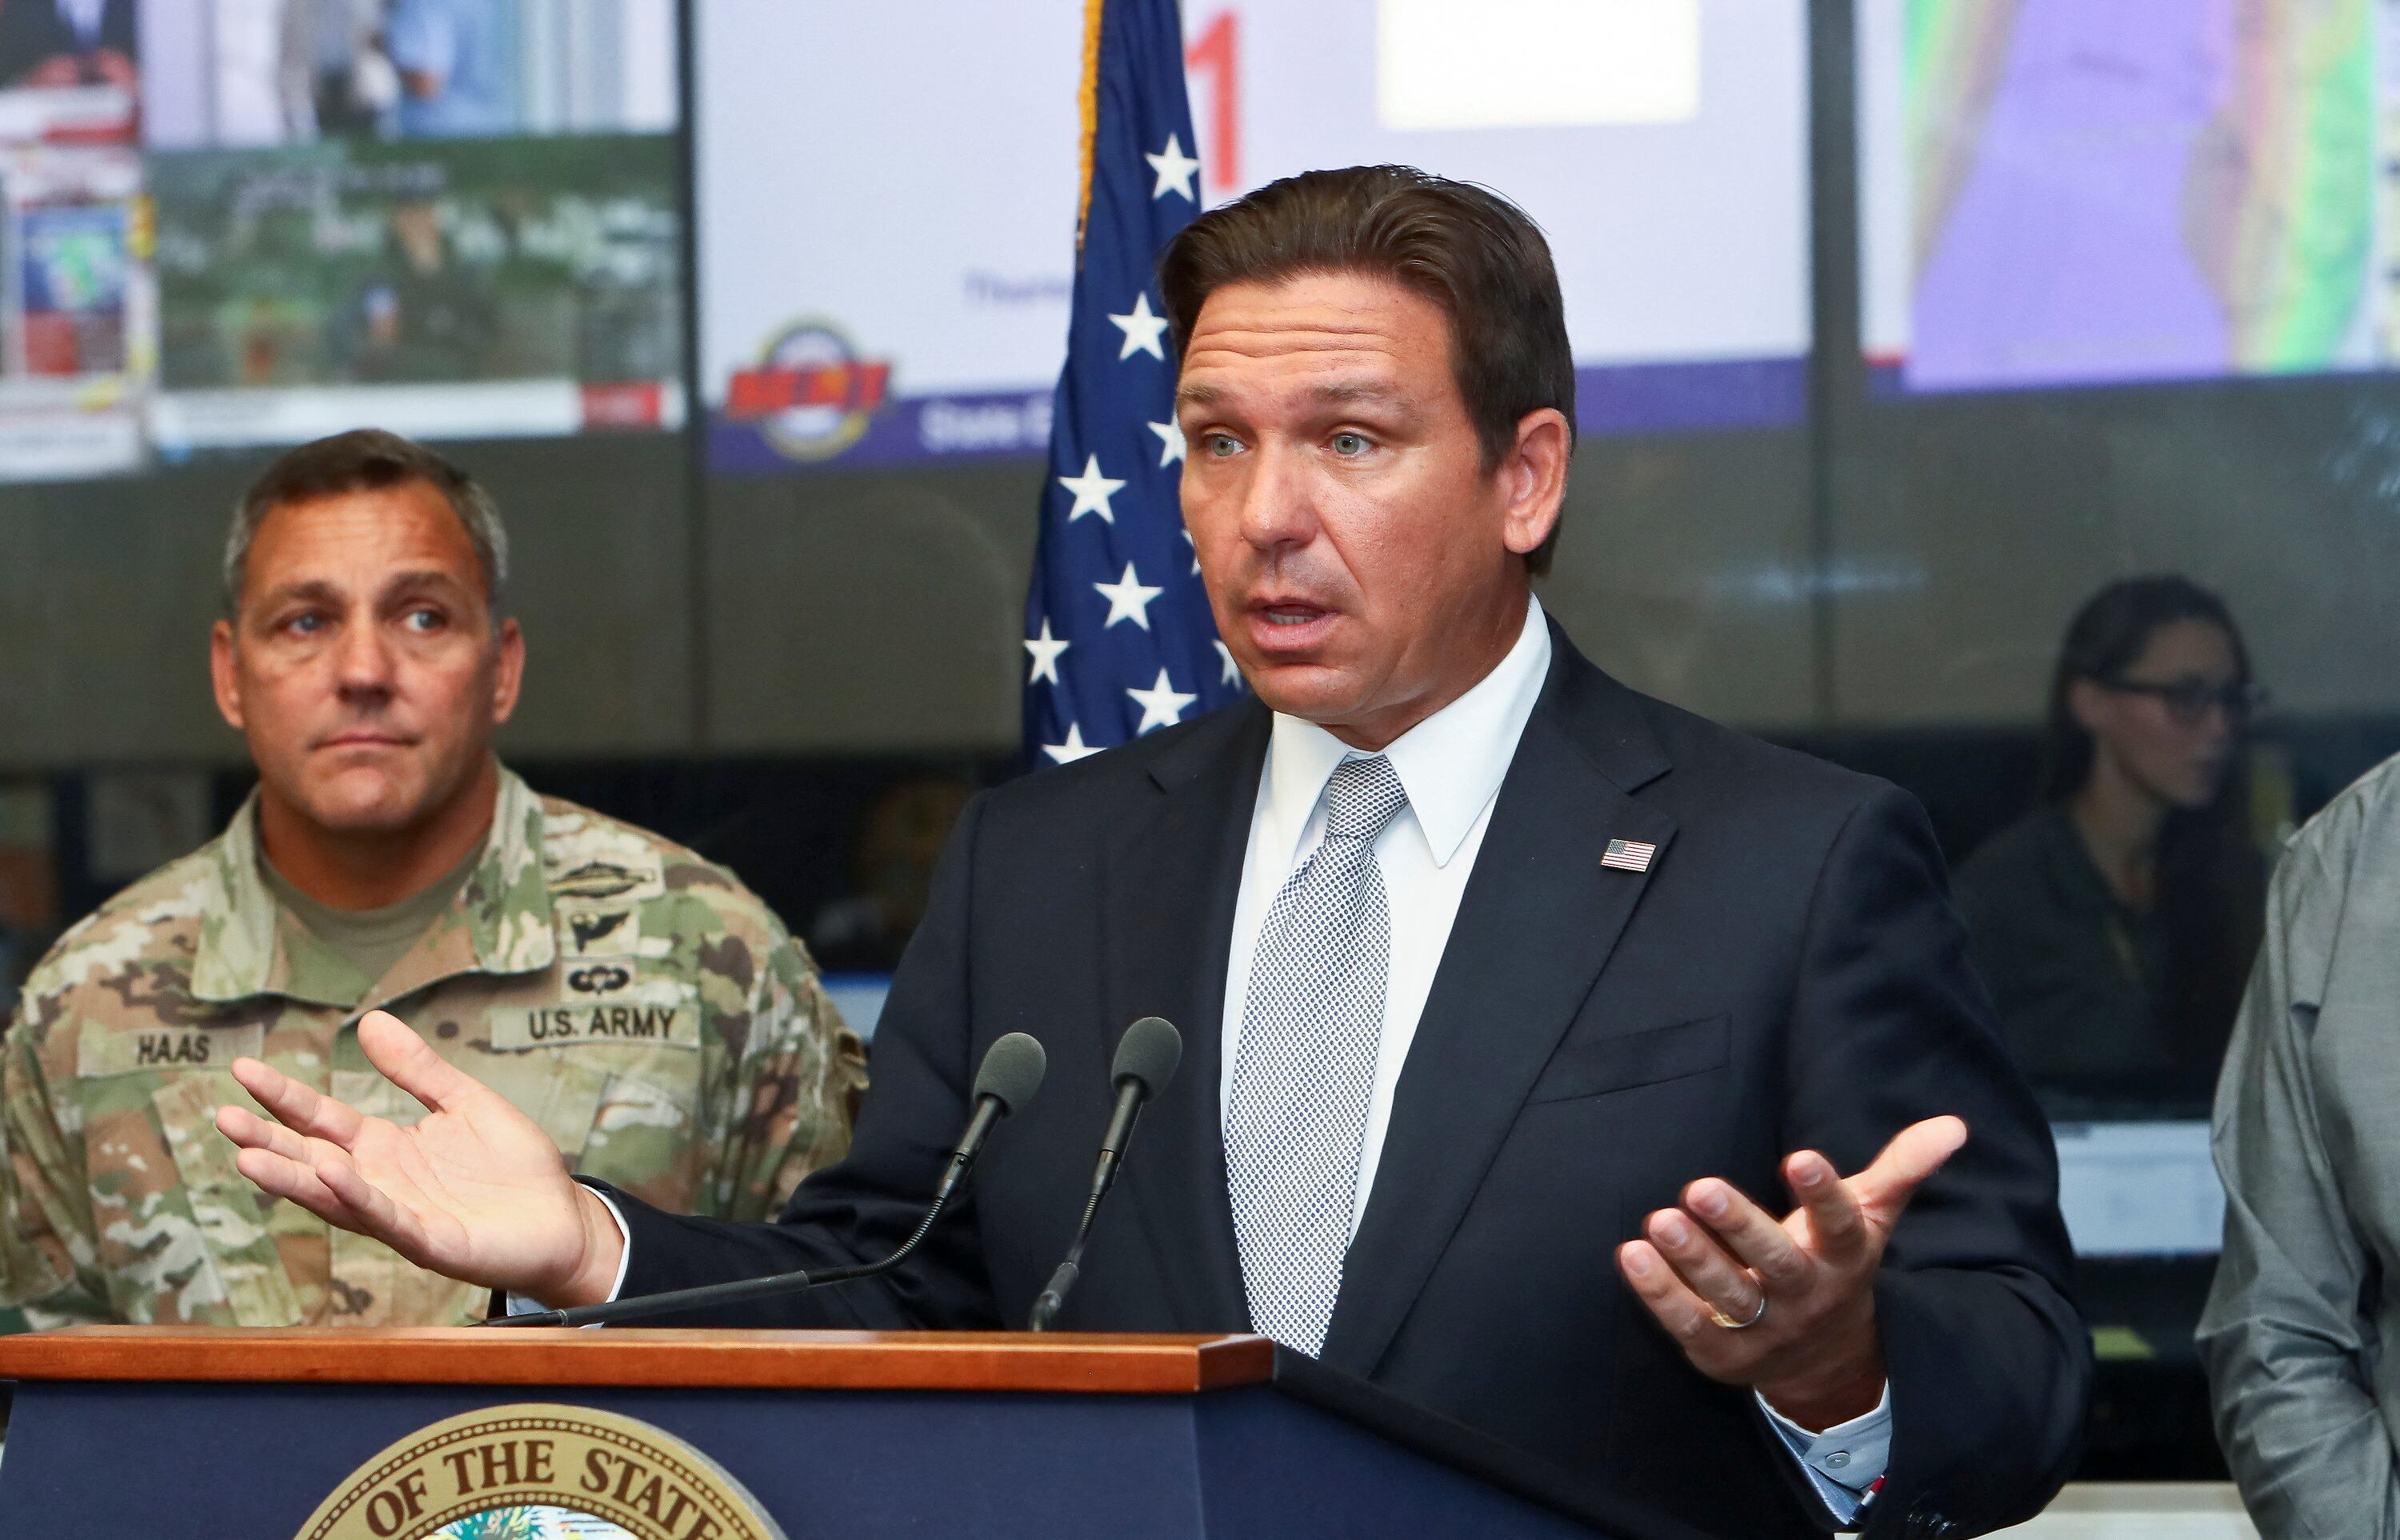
(638, 1002)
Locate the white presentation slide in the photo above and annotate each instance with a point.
(886, 196)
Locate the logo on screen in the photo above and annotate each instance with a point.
(810, 394)
(541, 1472)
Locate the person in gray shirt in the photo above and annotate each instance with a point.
(2306, 1136)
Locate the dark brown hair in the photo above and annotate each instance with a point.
(1465, 248)
(2211, 876)
(366, 459)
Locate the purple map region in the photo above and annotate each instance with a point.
(2063, 257)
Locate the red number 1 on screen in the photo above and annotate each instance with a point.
(1216, 53)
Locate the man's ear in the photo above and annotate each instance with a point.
(1533, 479)
(508, 674)
(223, 679)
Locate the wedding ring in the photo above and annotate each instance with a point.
(1731, 1325)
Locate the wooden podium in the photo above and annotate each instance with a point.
(328, 1434)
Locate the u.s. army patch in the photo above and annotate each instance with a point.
(163, 1050)
(627, 1025)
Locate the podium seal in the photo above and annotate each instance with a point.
(538, 1472)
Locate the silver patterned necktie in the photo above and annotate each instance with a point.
(1305, 1071)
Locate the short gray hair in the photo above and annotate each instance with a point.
(366, 459)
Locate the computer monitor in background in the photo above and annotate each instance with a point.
(226, 225)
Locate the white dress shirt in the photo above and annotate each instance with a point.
(1450, 765)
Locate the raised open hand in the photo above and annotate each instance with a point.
(1787, 1307)
(475, 1190)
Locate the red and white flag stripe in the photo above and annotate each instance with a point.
(1628, 855)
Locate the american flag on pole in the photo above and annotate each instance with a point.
(1118, 636)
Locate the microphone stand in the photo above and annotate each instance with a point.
(1007, 1079)
(740, 1291)
(1045, 1304)
(1145, 1061)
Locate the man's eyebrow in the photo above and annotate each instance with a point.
(1333, 392)
(1336, 391)
(313, 591)
(419, 578)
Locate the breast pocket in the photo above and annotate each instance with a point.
(627, 1115)
(645, 1133)
(559, 1088)
(1621, 1061)
(181, 1233)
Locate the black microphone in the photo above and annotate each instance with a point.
(1010, 1072)
(1147, 1056)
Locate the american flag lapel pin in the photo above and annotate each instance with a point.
(1628, 855)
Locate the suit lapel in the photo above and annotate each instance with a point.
(1537, 921)
(1169, 888)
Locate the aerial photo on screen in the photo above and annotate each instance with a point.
(227, 224)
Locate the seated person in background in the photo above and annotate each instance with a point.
(2298, 1331)
(638, 1001)
(890, 870)
(2115, 923)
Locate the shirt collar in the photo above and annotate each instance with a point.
(248, 941)
(1450, 764)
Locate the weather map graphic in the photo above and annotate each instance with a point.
(2060, 193)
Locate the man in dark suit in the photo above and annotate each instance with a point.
(1505, 990)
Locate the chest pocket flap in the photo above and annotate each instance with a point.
(230, 1214)
(1624, 1061)
(559, 1089)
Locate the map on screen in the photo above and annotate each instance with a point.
(2062, 193)
(886, 209)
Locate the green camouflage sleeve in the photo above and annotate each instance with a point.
(48, 1249)
(794, 1091)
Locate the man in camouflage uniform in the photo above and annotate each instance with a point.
(636, 1001)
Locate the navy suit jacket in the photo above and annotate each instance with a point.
(1788, 974)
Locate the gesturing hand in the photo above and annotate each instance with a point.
(475, 1190)
(1803, 1286)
